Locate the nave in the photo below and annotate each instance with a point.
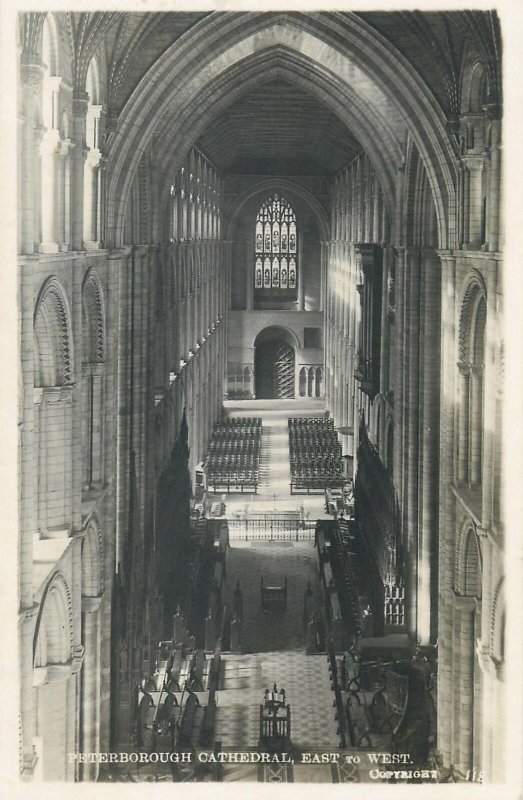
(340, 681)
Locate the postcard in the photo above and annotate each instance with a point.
(263, 434)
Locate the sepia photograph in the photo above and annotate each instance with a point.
(259, 380)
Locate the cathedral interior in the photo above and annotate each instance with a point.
(261, 372)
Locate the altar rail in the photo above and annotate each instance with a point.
(285, 525)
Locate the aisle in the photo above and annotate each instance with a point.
(275, 453)
(248, 562)
(307, 686)
(274, 488)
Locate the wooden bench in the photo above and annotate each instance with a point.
(221, 542)
(335, 607)
(321, 544)
(186, 723)
(328, 578)
(359, 719)
(237, 601)
(145, 722)
(338, 701)
(196, 667)
(218, 575)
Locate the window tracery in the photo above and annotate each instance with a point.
(276, 248)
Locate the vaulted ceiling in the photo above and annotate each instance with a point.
(278, 128)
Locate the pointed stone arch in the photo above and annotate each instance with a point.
(218, 47)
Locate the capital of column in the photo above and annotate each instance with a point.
(39, 132)
(464, 368)
(80, 104)
(31, 73)
(492, 111)
(91, 604)
(476, 370)
(464, 603)
(54, 82)
(473, 161)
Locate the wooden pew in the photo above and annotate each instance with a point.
(321, 544)
(186, 723)
(196, 667)
(359, 719)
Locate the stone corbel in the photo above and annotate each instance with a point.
(463, 368)
(78, 659)
(65, 147)
(56, 673)
(37, 395)
(489, 665)
(52, 394)
(51, 142)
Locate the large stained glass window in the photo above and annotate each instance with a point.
(276, 250)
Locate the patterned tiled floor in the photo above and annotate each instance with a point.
(249, 562)
(307, 686)
(273, 650)
(273, 643)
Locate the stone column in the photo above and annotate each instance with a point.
(384, 382)
(40, 466)
(324, 252)
(447, 513)
(397, 381)
(466, 610)
(90, 685)
(412, 439)
(63, 187)
(77, 167)
(121, 263)
(430, 335)
(27, 712)
(473, 199)
(463, 422)
(476, 422)
(490, 388)
(30, 75)
(495, 180)
(50, 148)
(37, 187)
(71, 717)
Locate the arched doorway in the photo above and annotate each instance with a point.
(274, 364)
